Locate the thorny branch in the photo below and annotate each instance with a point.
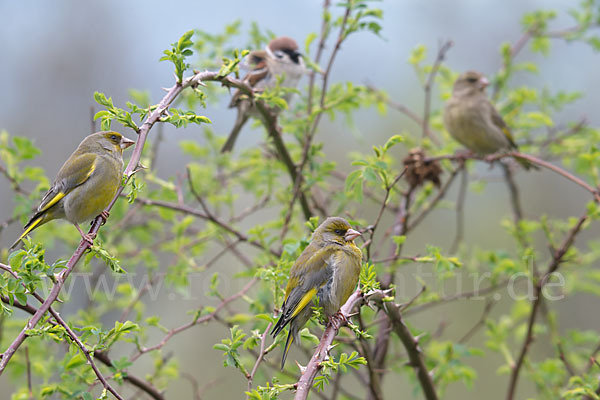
(557, 258)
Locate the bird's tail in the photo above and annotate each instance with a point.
(526, 164)
(34, 222)
(241, 119)
(288, 344)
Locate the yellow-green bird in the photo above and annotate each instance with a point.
(327, 269)
(473, 121)
(85, 184)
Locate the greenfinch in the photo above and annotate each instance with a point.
(473, 121)
(328, 270)
(85, 184)
(279, 60)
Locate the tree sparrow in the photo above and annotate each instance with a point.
(279, 58)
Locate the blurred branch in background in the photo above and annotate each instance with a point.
(236, 215)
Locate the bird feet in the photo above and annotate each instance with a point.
(104, 215)
(87, 237)
(337, 320)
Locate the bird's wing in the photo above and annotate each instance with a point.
(73, 173)
(499, 122)
(257, 62)
(309, 273)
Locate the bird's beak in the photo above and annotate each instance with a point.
(483, 82)
(351, 234)
(125, 143)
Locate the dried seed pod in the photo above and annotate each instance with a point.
(418, 170)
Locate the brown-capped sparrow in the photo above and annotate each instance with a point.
(279, 58)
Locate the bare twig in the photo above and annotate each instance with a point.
(411, 344)
(384, 204)
(261, 354)
(480, 323)
(460, 208)
(381, 96)
(209, 217)
(427, 88)
(440, 195)
(554, 264)
(28, 365)
(197, 320)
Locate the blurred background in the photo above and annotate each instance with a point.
(54, 55)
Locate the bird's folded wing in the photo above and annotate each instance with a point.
(499, 122)
(73, 173)
(306, 277)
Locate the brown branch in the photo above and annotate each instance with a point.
(99, 356)
(528, 157)
(514, 194)
(592, 358)
(195, 321)
(208, 217)
(260, 357)
(71, 334)
(323, 37)
(382, 96)
(28, 365)
(440, 195)
(558, 170)
(411, 344)
(152, 118)
(460, 208)
(132, 379)
(274, 131)
(552, 267)
(480, 323)
(374, 383)
(556, 341)
(400, 227)
(384, 204)
(313, 366)
(428, 86)
(311, 133)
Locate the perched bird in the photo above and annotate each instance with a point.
(279, 58)
(327, 269)
(473, 121)
(85, 184)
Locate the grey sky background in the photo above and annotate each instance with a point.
(54, 55)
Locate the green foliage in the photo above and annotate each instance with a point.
(178, 53)
(100, 252)
(368, 278)
(112, 112)
(331, 366)
(230, 348)
(239, 216)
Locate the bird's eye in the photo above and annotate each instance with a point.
(113, 137)
(472, 80)
(340, 232)
(278, 53)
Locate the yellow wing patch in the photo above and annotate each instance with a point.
(29, 229)
(54, 200)
(508, 135)
(304, 301)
